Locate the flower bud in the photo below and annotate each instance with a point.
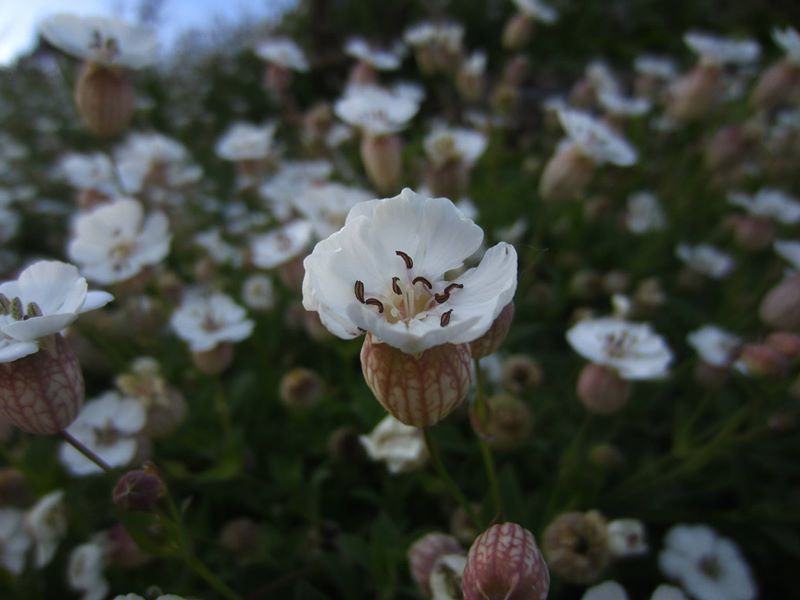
(516, 70)
(138, 490)
(301, 389)
(277, 79)
(780, 308)
(710, 376)
(105, 99)
(601, 390)
(509, 424)
(504, 563)
(491, 340)
(517, 31)
(752, 232)
(448, 179)
(214, 361)
(122, 550)
(42, 392)
(382, 158)
(729, 147)
(504, 99)
(520, 373)
(786, 343)
(692, 96)
(14, 488)
(566, 174)
(239, 537)
(763, 360)
(423, 554)
(778, 85)
(344, 446)
(576, 546)
(418, 390)
(606, 456)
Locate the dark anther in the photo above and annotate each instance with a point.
(359, 289)
(441, 297)
(406, 259)
(5, 305)
(445, 318)
(423, 281)
(453, 286)
(396, 286)
(375, 302)
(16, 309)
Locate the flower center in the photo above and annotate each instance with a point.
(13, 307)
(709, 565)
(107, 435)
(107, 49)
(618, 345)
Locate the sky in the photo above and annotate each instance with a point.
(19, 18)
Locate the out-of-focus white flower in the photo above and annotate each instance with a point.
(85, 571)
(400, 446)
(447, 35)
(644, 214)
(156, 157)
(634, 350)
(375, 110)
(115, 241)
(382, 59)
(789, 40)
(9, 224)
(608, 590)
(290, 181)
(656, 66)
(88, 172)
(596, 140)
(775, 204)
(206, 321)
(107, 425)
(138, 597)
(102, 40)
(626, 537)
(708, 566)
(602, 79)
(715, 345)
(444, 144)
(706, 259)
(475, 64)
(668, 592)
(258, 292)
(283, 52)
(46, 522)
(383, 273)
(714, 50)
(246, 141)
(788, 250)
(536, 9)
(14, 540)
(326, 205)
(221, 251)
(617, 104)
(47, 297)
(282, 244)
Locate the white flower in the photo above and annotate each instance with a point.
(326, 205)
(206, 321)
(617, 104)
(444, 144)
(284, 53)
(400, 446)
(536, 9)
(375, 110)
(47, 297)
(708, 566)
(107, 425)
(668, 592)
(447, 35)
(88, 172)
(115, 241)
(602, 79)
(788, 250)
(218, 249)
(384, 273)
(595, 139)
(9, 224)
(715, 50)
(474, 64)
(144, 154)
(634, 350)
(138, 597)
(46, 522)
(774, 204)
(789, 40)
(656, 66)
(706, 259)
(290, 181)
(381, 59)
(644, 214)
(14, 540)
(246, 141)
(608, 590)
(102, 40)
(281, 244)
(258, 292)
(715, 345)
(85, 571)
(626, 537)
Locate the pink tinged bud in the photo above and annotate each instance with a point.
(363, 74)
(710, 376)
(418, 390)
(566, 175)
(491, 340)
(423, 554)
(122, 550)
(778, 85)
(692, 96)
(448, 180)
(517, 31)
(601, 390)
(729, 147)
(752, 232)
(277, 79)
(764, 360)
(214, 361)
(786, 343)
(42, 392)
(105, 99)
(504, 563)
(383, 161)
(138, 490)
(780, 308)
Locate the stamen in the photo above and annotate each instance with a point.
(16, 309)
(396, 286)
(406, 259)
(5, 305)
(33, 310)
(445, 318)
(423, 281)
(375, 302)
(453, 286)
(441, 298)
(359, 290)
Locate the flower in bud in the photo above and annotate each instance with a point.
(576, 546)
(504, 563)
(418, 390)
(509, 424)
(517, 31)
(138, 490)
(105, 99)
(752, 232)
(779, 84)
(786, 343)
(121, 549)
(780, 308)
(344, 446)
(215, 360)
(601, 390)
(14, 488)
(491, 340)
(520, 373)
(301, 389)
(606, 456)
(382, 158)
(729, 148)
(691, 96)
(762, 360)
(566, 174)
(425, 552)
(239, 537)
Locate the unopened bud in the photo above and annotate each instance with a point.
(607, 456)
(214, 361)
(778, 85)
(576, 546)
(517, 31)
(763, 360)
(423, 554)
(14, 488)
(491, 340)
(729, 148)
(382, 158)
(509, 425)
(138, 490)
(780, 308)
(461, 526)
(520, 373)
(122, 550)
(566, 174)
(239, 537)
(516, 70)
(301, 389)
(752, 232)
(786, 343)
(601, 390)
(692, 96)
(105, 99)
(448, 179)
(344, 446)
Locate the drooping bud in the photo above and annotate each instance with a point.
(122, 550)
(786, 343)
(504, 563)
(491, 340)
(520, 373)
(301, 389)
(764, 361)
(418, 390)
(14, 488)
(138, 490)
(778, 85)
(344, 446)
(42, 392)
(517, 31)
(382, 158)
(423, 554)
(780, 308)
(752, 232)
(239, 537)
(606, 456)
(509, 424)
(566, 174)
(692, 96)
(448, 179)
(601, 390)
(576, 546)
(214, 361)
(105, 99)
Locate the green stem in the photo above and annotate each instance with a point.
(452, 486)
(223, 412)
(482, 415)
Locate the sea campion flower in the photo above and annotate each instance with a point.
(424, 553)
(706, 259)
(780, 83)
(383, 274)
(452, 151)
(400, 446)
(437, 46)
(774, 204)
(520, 26)
(372, 59)
(715, 346)
(46, 522)
(41, 384)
